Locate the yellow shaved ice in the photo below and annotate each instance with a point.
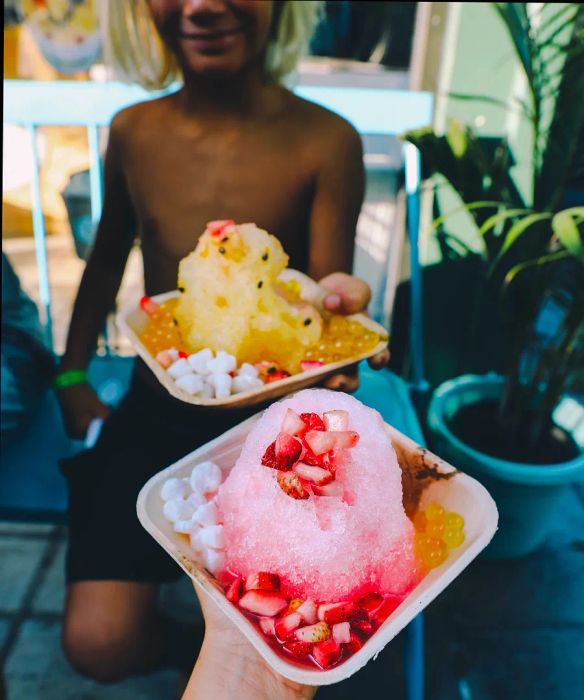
(233, 301)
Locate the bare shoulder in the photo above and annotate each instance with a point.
(141, 114)
(324, 128)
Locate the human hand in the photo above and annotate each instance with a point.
(228, 666)
(349, 295)
(80, 405)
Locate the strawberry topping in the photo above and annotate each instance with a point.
(298, 648)
(283, 453)
(339, 612)
(293, 424)
(327, 653)
(148, 305)
(262, 581)
(292, 486)
(287, 625)
(216, 228)
(234, 591)
(313, 421)
(316, 475)
(265, 603)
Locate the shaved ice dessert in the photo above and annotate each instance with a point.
(332, 539)
(232, 300)
(307, 534)
(239, 306)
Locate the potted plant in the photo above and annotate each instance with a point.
(501, 427)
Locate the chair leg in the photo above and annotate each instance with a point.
(414, 659)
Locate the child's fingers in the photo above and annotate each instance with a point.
(347, 380)
(380, 360)
(346, 294)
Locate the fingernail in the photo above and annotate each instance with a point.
(333, 301)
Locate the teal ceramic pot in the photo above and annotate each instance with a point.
(528, 496)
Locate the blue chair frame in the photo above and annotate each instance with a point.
(32, 104)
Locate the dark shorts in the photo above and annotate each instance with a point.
(147, 432)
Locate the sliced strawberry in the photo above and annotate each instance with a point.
(324, 441)
(342, 632)
(234, 591)
(298, 648)
(287, 625)
(183, 354)
(292, 486)
(317, 475)
(381, 614)
(262, 581)
(313, 421)
(293, 424)
(288, 449)
(370, 602)
(275, 375)
(314, 633)
(308, 611)
(216, 228)
(339, 612)
(148, 305)
(285, 459)
(265, 603)
(267, 626)
(335, 488)
(354, 643)
(363, 626)
(310, 364)
(326, 654)
(310, 458)
(336, 420)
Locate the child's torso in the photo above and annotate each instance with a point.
(182, 174)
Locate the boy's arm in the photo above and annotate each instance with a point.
(99, 285)
(340, 190)
(104, 270)
(338, 197)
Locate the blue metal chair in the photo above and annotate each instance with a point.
(91, 104)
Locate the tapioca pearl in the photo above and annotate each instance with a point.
(221, 383)
(223, 363)
(212, 536)
(247, 370)
(206, 477)
(174, 488)
(206, 514)
(245, 382)
(179, 368)
(191, 383)
(198, 360)
(177, 509)
(214, 560)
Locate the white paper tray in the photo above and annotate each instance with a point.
(132, 321)
(460, 493)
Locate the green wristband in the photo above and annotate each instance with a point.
(70, 377)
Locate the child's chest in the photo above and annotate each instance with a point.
(178, 185)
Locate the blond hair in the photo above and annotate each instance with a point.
(135, 51)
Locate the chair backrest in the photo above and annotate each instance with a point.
(92, 104)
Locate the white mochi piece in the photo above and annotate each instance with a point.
(177, 509)
(198, 360)
(245, 382)
(206, 515)
(221, 383)
(223, 363)
(247, 370)
(214, 560)
(191, 383)
(179, 368)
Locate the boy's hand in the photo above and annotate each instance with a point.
(80, 405)
(349, 295)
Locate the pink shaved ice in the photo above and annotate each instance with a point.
(325, 547)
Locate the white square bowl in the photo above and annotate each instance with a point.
(459, 493)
